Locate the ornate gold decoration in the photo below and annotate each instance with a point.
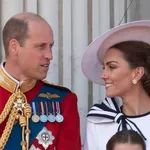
(17, 108)
(10, 84)
(48, 95)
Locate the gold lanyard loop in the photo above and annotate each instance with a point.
(20, 110)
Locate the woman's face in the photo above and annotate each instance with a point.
(117, 74)
(126, 146)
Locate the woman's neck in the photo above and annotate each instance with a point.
(136, 104)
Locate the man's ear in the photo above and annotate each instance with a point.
(14, 47)
(138, 74)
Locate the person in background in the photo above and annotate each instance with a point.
(126, 140)
(35, 115)
(119, 59)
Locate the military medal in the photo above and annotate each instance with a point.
(51, 118)
(45, 138)
(35, 118)
(43, 117)
(59, 117)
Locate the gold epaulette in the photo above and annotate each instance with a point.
(61, 87)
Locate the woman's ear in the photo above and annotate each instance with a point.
(139, 72)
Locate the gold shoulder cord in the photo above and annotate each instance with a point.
(18, 109)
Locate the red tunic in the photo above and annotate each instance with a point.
(66, 133)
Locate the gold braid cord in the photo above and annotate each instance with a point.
(18, 109)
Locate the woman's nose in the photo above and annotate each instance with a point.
(104, 74)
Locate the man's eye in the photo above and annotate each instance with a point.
(51, 45)
(41, 46)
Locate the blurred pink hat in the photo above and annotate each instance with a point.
(92, 61)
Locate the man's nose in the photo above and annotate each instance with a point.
(49, 54)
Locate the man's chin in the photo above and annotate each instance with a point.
(41, 77)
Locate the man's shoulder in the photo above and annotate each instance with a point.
(56, 87)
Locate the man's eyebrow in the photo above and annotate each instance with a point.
(39, 44)
(42, 44)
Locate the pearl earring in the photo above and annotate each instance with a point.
(134, 81)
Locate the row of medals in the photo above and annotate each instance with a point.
(51, 116)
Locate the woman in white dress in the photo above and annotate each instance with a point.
(119, 59)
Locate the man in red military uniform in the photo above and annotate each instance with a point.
(34, 115)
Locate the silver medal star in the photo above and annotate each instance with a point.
(19, 105)
(45, 138)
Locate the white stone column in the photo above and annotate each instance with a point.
(48, 9)
(79, 43)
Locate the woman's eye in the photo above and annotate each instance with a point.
(112, 67)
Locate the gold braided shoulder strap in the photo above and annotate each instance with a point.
(18, 109)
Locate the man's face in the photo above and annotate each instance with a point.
(35, 55)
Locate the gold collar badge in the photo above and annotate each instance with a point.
(11, 85)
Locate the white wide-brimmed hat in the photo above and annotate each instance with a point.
(92, 61)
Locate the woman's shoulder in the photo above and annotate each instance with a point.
(105, 111)
(112, 103)
(108, 104)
